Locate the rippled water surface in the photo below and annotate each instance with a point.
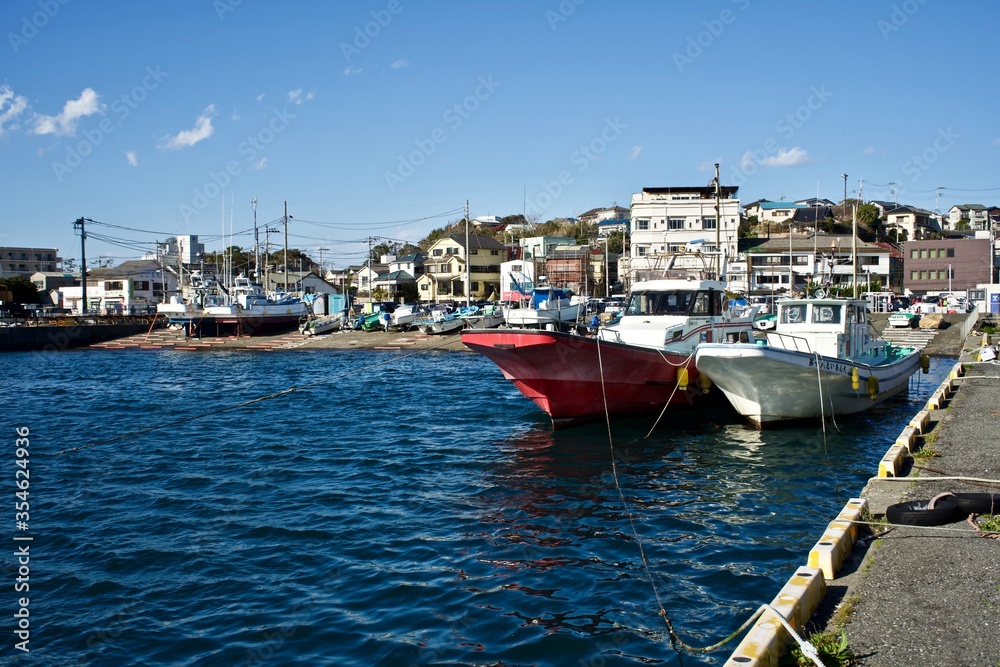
(396, 510)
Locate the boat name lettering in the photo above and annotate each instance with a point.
(835, 366)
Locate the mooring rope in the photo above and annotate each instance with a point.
(669, 400)
(237, 406)
(675, 641)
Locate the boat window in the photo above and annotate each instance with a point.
(702, 304)
(659, 303)
(826, 314)
(793, 314)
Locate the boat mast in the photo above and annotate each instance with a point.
(256, 242)
(286, 248)
(854, 251)
(718, 223)
(468, 257)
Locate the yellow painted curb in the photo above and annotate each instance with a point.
(892, 461)
(764, 644)
(920, 421)
(833, 548)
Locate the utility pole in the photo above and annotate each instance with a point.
(468, 257)
(79, 224)
(256, 241)
(321, 261)
(844, 176)
(370, 272)
(286, 247)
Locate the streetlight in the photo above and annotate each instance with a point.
(949, 278)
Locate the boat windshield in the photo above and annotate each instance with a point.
(826, 314)
(676, 302)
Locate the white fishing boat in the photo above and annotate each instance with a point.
(442, 320)
(324, 324)
(822, 359)
(487, 317)
(549, 307)
(405, 315)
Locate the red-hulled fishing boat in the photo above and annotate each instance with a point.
(640, 364)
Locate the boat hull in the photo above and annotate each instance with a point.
(768, 385)
(532, 317)
(441, 327)
(575, 379)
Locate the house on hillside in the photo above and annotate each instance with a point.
(26, 261)
(444, 274)
(974, 217)
(909, 223)
(400, 281)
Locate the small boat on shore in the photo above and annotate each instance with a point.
(820, 360)
(642, 364)
(548, 307)
(442, 320)
(486, 317)
(322, 325)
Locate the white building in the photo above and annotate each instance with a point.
(517, 279)
(669, 219)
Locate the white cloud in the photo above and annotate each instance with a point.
(793, 157)
(260, 164)
(869, 150)
(400, 64)
(348, 71)
(634, 153)
(73, 110)
(235, 115)
(997, 141)
(296, 96)
(186, 138)
(260, 97)
(132, 158)
(11, 106)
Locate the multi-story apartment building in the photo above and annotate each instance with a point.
(946, 265)
(666, 220)
(27, 261)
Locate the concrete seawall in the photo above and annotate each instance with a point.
(54, 337)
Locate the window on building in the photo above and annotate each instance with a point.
(914, 253)
(923, 275)
(642, 225)
(437, 252)
(923, 253)
(640, 251)
(942, 275)
(142, 285)
(494, 252)
(932, 253)
(474, 251)
(473, 287)
(951, 252)
(424, 287)
(675, 223)
(914, 275)
(708, 223)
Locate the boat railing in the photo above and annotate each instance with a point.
(788, 342)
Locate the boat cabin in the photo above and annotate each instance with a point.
(832, 327)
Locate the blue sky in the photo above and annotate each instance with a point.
(381, 118)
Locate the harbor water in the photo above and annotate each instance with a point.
(395, 509)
